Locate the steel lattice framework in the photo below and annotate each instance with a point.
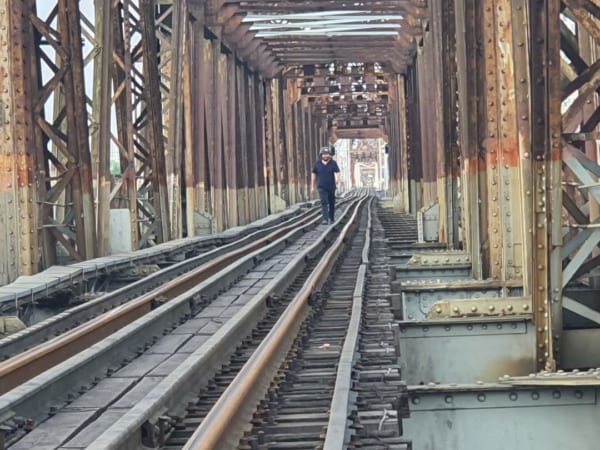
(178, 118)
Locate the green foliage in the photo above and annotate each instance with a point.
(115, 168)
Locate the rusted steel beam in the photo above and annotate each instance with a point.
(259, 117)
(101, 117)
(123, 100)
(231, 143)
(401, 150)
(435, 39)
(427, 111)
(219, 96)
(18, 235)
(252, 144)
(584, 17)
(82, 191)
(155, 139)
(466, 49)
(289, 98)
(237, 30)
(170, 30)
(449, 86)
(201, 75)
(189, 107)
(413, 136)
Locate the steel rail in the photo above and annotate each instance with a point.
(36, 360)
(32, 399)
(337, 437)
(184, 383)
(85, 272)
(223, 426)
(66, 320)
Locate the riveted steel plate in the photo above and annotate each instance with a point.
(503, 418)
(439, 259)
(482, 307)
(462, 351)
(418, 299)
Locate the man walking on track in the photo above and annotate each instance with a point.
(325, 177)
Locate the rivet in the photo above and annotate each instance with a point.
(513, 396)
(578, 394)
(535, 395)
(416, 400)
(481, 397)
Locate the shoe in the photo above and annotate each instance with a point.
(325, 222)
(330, 221)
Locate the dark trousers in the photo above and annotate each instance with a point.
(327, 203)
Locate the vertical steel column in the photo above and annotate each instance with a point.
(219, 97)
(298, 122)
(438, 37)
(159, 193)
(281, 170)
(18, 236)
(449, 85)
(170, 32)
(243, 146)
(123, 99)
(467, 32)
(502, 204)
(546, 279)
(427, 120)
(261, 163)
(231, 160)
(190, 146)
(252, 144)
(287, 110)
(507, 137)
(398, 144)
(101, 117)
(203, 131)
(414, 136)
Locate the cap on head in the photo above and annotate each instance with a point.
(325, 150)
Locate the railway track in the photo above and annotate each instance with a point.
(61, 287)
(299, 388)
(225, 305)
(30, 352)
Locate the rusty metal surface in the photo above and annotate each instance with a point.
(266, 272)
(232, 408)
(40, 358)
